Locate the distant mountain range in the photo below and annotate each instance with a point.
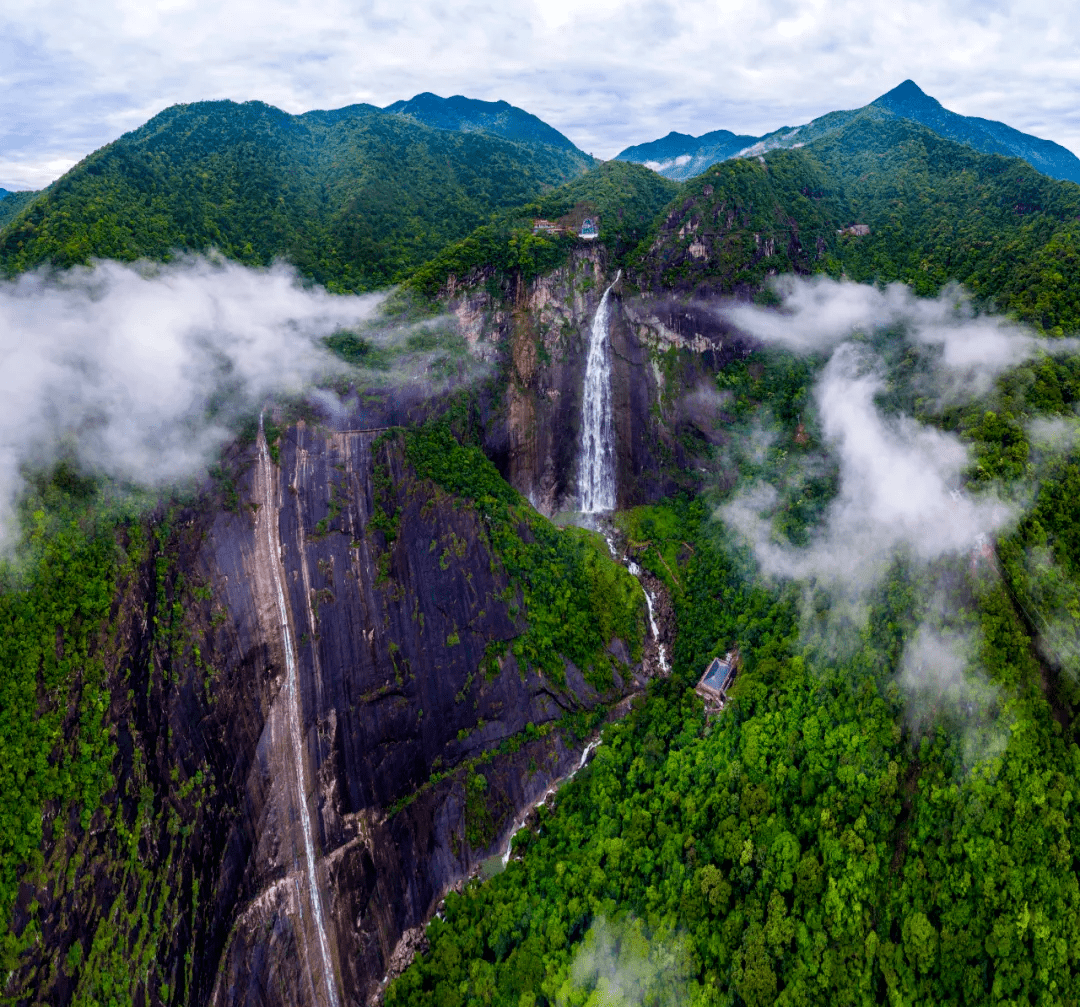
(678, 156)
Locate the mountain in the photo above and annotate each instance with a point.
(355, 197)
(469, 115)
(296, 736)
(679, 156)
(909, 101)
(686, 156)
(937, 211)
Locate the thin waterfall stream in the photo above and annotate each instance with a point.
(294, 719)
(596, 472)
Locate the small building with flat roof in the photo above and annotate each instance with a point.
(718, 678)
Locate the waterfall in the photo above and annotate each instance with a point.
(635, 571)
(294, 719)
(596, 475)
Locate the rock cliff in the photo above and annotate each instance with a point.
(665, 351)
(405, 733)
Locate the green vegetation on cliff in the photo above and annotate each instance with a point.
(576, 599)
(355, 198)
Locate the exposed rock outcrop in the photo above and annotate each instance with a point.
(663, 351)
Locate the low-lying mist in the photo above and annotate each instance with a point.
(901, 483)
(141, 372)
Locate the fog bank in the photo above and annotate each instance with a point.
(139, 369)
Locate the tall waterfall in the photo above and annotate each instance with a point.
(596, 474)
(273, 546)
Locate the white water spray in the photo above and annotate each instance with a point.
(596, 475)
(294, 723)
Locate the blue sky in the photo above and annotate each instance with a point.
(75, 74)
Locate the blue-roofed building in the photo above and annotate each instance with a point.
(716, 681)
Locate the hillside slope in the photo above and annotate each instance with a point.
(356, 197)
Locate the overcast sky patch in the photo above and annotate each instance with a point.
(608, 74)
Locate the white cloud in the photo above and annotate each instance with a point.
(819, 314)
(75, 74)
(123, 363)
(898, 491)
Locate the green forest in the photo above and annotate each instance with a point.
(355, 198)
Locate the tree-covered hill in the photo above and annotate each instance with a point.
(11, 203)
(626, 197)
(356, 197)
(937, 211)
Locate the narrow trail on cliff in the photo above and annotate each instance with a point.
(294, 717)
(596, 475)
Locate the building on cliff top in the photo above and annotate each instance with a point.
(589, 230)
(716, 681)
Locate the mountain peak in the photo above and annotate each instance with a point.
(906, 96)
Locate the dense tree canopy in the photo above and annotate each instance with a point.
(355, 198)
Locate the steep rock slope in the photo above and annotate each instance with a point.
(663, 350)
(355, 197)
(196, 880)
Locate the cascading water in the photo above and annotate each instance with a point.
(294, 719)
(635, 571)
(596, 473)
(543, 799)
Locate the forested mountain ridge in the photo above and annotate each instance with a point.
(937, 210)
(625, 197)
(472, 115)
(681, 157)
(356, 197)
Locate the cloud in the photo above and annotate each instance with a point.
(899, 490)
(140, 369)
(820, 313)
(76, 74)
(938, 676)
(621, 967)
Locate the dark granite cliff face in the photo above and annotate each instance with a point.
(389, 649)
(202, 877)
(291, 791)
(665, 352)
